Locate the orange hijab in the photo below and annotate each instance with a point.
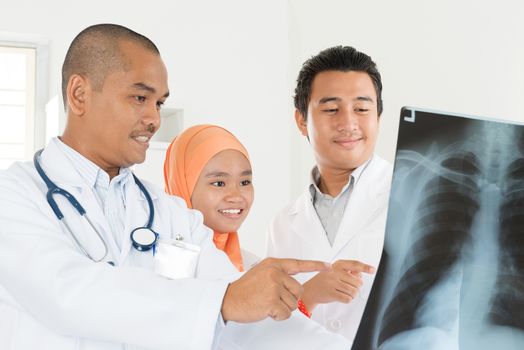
(186, 157)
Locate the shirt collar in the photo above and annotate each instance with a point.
(314, 179)
(88, 170)
(357, 173)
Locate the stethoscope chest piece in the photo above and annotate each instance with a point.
(143, 238)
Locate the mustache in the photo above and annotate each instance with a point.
(350, 133)
(151, 128)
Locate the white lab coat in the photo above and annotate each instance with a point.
(249, 259)
(297, 232)
(53, 297)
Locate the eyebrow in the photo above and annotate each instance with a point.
(150, 89)
(363, 98)
(337, 99)
(329, 99)
(217, 174)
(224, 174)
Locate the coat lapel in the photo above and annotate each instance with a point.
(66, 177)
(364, 214)
(355, 214)
(307, 225)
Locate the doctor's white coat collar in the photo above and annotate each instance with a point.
(314, 180)
(364, 204)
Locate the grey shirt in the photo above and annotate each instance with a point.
(330, 210)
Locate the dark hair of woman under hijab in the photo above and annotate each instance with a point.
(337, 58)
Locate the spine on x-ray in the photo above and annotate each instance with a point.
(508, 303)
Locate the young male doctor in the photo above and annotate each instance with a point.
(92, 258)
(341, 215)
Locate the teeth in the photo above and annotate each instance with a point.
(141, 138)
(230, 211)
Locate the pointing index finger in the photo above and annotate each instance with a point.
(356, 266)
(294, 266)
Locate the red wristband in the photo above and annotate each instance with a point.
(302, 308)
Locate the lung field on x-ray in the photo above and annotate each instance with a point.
(454, 237)
(442, 224)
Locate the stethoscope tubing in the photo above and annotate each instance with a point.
(53, 189)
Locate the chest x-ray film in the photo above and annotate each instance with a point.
(452, 271)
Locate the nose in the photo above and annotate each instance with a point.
(234, 194)
(347, 120)
(152, 117)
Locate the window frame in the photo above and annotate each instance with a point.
(41, 46)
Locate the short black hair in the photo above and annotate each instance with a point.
(337, 58)
(95, 52)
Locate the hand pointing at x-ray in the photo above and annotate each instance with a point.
(267, 290)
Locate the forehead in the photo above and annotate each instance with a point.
(140, 65)
(228, 159)
(344, 85)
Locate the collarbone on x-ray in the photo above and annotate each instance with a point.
(454, 275)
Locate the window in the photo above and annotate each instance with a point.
(17, 104)
(23, 96)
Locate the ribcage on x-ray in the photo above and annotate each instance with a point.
(508, 304)
(442, 224)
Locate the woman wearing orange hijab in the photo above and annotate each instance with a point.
(208, 167)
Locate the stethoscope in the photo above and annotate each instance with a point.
(142, 238)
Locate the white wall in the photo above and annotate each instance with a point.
(227, 65)
(234, 62)
(459, 56)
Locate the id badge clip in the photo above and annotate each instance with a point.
(176, 259)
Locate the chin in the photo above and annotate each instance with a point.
(358, 160)
(229, 229)
(138, 159)
(351, 165)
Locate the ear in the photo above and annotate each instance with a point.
(301, 123)
(78, 89)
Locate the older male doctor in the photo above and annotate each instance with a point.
(92, 258)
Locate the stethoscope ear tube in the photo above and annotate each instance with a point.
(142, 238)
(53, 189)
(140, 185)
(86, 253)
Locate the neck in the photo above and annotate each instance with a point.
(81, 147)
(332, 181)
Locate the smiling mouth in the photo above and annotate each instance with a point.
(142, 139)
(231, 211)
(348, 143)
